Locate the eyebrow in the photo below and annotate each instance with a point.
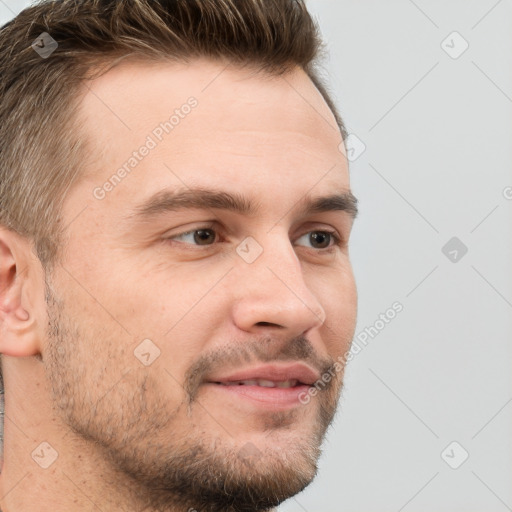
(166, 201)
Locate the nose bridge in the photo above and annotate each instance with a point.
(272, 287)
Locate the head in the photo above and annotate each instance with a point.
(175, 213)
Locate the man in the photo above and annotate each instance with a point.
(176, 294)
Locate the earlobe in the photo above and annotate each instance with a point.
(18, 332)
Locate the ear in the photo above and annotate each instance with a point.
(18, 322)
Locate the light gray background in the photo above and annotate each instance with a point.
(437, 165)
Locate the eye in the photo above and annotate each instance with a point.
(202, 236)
(321, 239)
(206, 236)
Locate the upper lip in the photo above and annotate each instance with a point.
(273, 372)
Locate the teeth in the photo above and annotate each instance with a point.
(249, 382)
(263, 383)
(266, 383)
(287, 383)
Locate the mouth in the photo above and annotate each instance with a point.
(272, 387)
(264, 383)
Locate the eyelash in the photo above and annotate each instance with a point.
(338, 241)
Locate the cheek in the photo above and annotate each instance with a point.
(160, 301)
(339, 299)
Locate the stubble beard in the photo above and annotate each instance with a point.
(190, 471)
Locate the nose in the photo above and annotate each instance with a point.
(272, 293)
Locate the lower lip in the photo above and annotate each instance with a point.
(275, 398)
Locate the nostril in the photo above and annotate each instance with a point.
(267, 324)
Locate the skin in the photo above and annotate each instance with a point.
(71, 377)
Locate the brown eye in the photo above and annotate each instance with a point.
(201, 236)
(204, 236)
(320, 239)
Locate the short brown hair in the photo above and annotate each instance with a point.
(41, 148)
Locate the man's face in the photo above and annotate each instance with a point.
(167, 325)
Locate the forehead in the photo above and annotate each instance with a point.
(210, 124)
